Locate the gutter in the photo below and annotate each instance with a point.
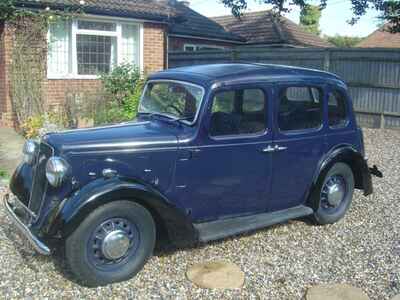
(207, 38)
(95, 11)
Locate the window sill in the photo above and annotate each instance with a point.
(72, 77)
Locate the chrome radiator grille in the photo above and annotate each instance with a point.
(39, 182)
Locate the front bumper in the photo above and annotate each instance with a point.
(11, 210)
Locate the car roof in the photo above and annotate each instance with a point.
(242, 72)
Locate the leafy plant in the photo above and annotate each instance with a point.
(344, 41)
(309, 18)
(123, 88)
(3, 174)
(30, 128)
(389, 10)
(28, 31)
(35, 126)
(121, 81)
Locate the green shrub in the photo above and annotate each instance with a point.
(30, 128)
(123, 88)
(3, 174)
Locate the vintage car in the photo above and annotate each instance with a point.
(216, 150)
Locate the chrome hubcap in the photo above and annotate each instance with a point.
(112, 243)
(333, 192)
(115, 244)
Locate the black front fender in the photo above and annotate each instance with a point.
(102, 191)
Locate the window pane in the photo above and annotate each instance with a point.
(300, 108)
(253, 101)
(178, 100)
(96, 54)
(101, 26)
(337, 109)
(238, 112)
(58, 57)
(223, 102)
(130, 51)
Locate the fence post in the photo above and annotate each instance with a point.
(234, 55)
(382, 122)
(327, 60)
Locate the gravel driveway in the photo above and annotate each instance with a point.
(280, 262)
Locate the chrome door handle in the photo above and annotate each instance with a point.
(269, 149)
(279, 148)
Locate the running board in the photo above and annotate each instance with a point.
(220, 229)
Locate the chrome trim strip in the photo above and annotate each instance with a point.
(39, 246)
(123, 124)
(114, 145)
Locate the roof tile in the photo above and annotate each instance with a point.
(263, 28)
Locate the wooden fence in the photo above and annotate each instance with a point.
(373, 75)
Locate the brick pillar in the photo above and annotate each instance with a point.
(154, 47)
(7, 117)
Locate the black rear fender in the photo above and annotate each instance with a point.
(351, 157)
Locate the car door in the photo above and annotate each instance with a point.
(230, 174)
(299, 142)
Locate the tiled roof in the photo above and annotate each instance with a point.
(182, 19)
(156, 10)
(381, 38)
(195, 24)
(263, 28)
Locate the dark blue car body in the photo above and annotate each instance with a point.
(194, 184)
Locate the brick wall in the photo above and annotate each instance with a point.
(154, 48)
(177, 43)
(55, 91)
(6, 114)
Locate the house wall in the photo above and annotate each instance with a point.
(55, 91)
(177, 43)
(154, 56)
(6, 115)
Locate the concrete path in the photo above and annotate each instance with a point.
(11, 145)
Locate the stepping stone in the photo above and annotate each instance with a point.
(335, 292)
(216, 275)
(397, 297)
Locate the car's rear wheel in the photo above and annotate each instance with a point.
(335, 194)
(112, 244)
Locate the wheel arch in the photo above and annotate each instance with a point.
(349, 156)
(168, 218)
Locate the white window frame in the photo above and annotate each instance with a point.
(118, 34)
(197, 46)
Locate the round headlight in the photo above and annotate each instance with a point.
(56, 170)
(29, 151)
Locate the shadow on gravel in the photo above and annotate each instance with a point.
(166, 248)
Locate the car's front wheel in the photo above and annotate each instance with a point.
(335, 194)
(112, 244)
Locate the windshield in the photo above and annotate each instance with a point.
(176, 100)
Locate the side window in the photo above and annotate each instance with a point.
(223, 102)
(253, 101)
(238, 112)
(337, 109)
(300, 107)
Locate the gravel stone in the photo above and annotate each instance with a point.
(216, 275)
(335, 292)
(280, 262)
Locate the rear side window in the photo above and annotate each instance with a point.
(300, 108)
(337, 109)
(238, 112)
